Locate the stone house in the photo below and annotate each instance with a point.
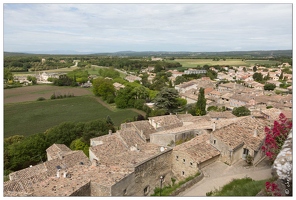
(227, 87)
(166, 122)
(118, 86)
(240, 139)
(195, 71)
(126, 149)
(241, 100)
(190, 157)
(132, 78)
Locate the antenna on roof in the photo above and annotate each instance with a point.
(162, 149)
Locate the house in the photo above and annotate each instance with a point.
(237, 100)
(227, 87)
(175, 136)
(276, 83)
(132, 78)
(238, 140)
(220, 115)
(126, 150)
(195, 71)
(271, 114)
(190, 157)
(118, 86)
(165, 122)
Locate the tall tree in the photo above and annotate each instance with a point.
(167, 99)
(201, 103)
(254, 69)
(281, 76)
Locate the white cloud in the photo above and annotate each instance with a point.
(139, 27)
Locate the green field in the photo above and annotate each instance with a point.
(37, 116)
(191, 63)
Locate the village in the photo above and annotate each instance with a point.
(135, 159)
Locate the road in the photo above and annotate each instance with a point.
(218, 174)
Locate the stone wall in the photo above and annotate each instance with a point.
(183, 165)
(187, 185)
(147, 173)
(162, 139)
(85, 190)
(282, 168)
(99, 190)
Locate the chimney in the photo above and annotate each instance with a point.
(58, 173)
(214, 126)
(94, 163)
(110, 132)
(255, 132)
(65, 174)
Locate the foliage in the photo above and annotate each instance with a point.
(180, 79)
(201, 103)
(169, 189)
(7, 74)
(276, 136)
(272, 189)
(40, 99)
(109, 72)
(21, 152)
(269, 86)
(241, 111)
(254, 69)
(64, 80)
(258, 77)
(167, 99)
(60, 96)
(103, 88)
(79, 75)
(79, 145)
(239, 187)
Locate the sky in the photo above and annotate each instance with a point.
(194, 27)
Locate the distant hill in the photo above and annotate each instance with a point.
(241, 54)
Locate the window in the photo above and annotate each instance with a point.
(124, 192)
(177, 157)
(214, 141)
(183, 173)
(183, 160)
(146, 190)
(191, 164)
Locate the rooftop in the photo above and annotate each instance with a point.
(198, 148)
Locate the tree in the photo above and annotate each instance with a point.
(180, 79)
(7, 74)
(258, 77)
(269, 86)
(201, 103)
(254, 69)
(167, 99)
(79, 145)
(241, 111)
(158, 68)
(245, 69)
(281, 76)
(103, 87)
(33, 79)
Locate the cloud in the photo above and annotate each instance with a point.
(139, 27)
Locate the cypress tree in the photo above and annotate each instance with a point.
(201, 103)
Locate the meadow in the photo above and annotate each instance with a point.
(28, 116)
(191, 63)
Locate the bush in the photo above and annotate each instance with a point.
(41, 99)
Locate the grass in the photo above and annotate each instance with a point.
(37, 116)
(169, 189)
(189, 63)
(240, 187)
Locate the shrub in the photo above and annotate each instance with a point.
(41, 99)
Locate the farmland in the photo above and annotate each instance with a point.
(23, 115)
(189, 63)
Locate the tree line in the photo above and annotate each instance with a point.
(21, 152)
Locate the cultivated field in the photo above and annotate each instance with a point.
(189, 63)
(32, 93)
(23, 115)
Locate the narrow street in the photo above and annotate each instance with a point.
(218, 174)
